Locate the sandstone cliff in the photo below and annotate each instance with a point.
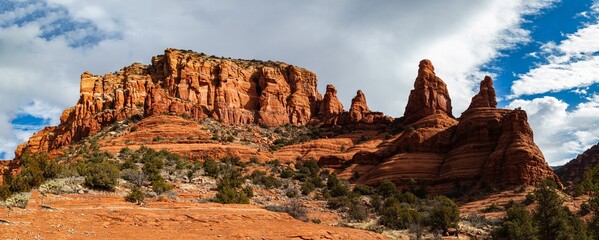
(192, 85)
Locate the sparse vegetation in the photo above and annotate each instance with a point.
(136, 195)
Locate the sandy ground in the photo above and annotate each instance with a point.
(104, 216)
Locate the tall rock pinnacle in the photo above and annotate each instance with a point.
(486, 95)
(330, 106)
(429, 96)
(358, 107)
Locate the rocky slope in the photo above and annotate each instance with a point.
(486, 146)
(573, 171)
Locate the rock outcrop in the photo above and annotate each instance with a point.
(358, 108)
(486, 146)
(429, 96)
(192, 85)
(486, 95)
(331, 107)
(573, 171)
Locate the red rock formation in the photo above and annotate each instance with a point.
(516, 158)
(358, 107)
(574, 170)
(486, 95)
(429, 96)
(331, 107)
(194, 85)
(487, 146)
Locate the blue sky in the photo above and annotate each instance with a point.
(543, 54)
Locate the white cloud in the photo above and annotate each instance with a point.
(347, 43)
(562, 134)
(573, 63)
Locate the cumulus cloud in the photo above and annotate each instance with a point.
(561, 133)
(46, 44)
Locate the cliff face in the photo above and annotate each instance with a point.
(485, 146)
(573, 171)
(193, 85)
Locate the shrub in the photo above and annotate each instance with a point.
(269, 182)
(4, 192)
(291, 193)
(492, 208)
(386, 189)
(228, 188)
(254, 160)
(338, 202)
(35, 169)
(102, 176)
(286, 173)
(363, 189)
(357, 211)
(159, 186)
(397, 216)
(134, 176)
(517, 224)
(307, 188)
(444, 214)
(227, 194)
(136, 195)
(297, 209)
(211, 168)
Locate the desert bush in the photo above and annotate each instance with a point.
(387, 189)
(286, 173)
(269, 182)
(4, 192)
(307, 188)
(338, 202)
(398, 216)
(492, 208)
(136, 195)
(357, 210)
(444, 213)
(291, 193)
(101, 176)
(35, 169)
(211, 168)
(229, 188)
(297, 209)
(159, 186)
(363, 189)
(294, 208)
(18, 200)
